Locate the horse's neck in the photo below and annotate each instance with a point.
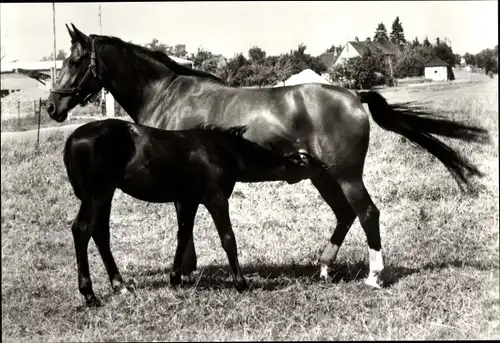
(130, 89)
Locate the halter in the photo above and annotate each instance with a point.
(90, 70)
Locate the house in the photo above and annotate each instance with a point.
(14, 75)
(182, 61)
(328, 59)
(436, 69)
(357, 48)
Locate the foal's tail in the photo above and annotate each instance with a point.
(419, 127)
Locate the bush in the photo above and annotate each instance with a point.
(490, 74)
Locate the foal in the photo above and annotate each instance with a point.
(189, 168)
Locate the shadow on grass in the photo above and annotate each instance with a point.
(276, 277)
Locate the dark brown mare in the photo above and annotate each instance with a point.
(328, 123)
(188, 167)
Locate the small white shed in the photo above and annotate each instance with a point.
(436, 69)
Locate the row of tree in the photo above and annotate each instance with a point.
(259, 69)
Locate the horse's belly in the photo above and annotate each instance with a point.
(146, 187)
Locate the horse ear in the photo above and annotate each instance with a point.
(71, 33)
(79, 35)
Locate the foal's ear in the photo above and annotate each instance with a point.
(79, 36)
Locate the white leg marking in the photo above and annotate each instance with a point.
(324, 272)
(376, 268)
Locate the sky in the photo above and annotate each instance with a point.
(231, 27)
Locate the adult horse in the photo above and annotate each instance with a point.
(329, 123)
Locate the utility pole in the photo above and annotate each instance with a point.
(54, 28)
(100, 19)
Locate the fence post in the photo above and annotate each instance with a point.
(39, 119)
(18, 114)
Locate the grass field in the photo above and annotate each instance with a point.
(441, 251)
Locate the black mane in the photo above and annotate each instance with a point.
(237, 131)
(131, 49)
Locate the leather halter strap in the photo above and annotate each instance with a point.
(91, 70)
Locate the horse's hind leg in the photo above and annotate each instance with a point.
(331, 192)
(81, 230)
(186, 212)
(101, 207)
(368, 214)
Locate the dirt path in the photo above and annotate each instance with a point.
(32, 134)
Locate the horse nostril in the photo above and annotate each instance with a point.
(51, 109)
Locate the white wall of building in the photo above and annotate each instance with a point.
(436, 73)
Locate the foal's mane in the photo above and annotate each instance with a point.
(130, 51)
(236, 131)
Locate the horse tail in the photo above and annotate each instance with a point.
(419, 127)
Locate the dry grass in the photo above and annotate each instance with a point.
(441, 250)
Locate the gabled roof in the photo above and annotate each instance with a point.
(435, 62)
(385, 47)
(329, 59)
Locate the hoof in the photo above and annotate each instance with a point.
(187, 278)
(125, 288)
(92, 301)
(324, 273)
(241, 285)
(175, 279)
(374, 281)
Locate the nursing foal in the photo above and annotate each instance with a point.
(189, 168)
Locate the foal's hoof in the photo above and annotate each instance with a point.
(175, 279)
(92, 301)
(241, 285)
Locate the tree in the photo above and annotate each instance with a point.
(180, 50)
(411, 62)
(458, 59)
(397, 34)
(488, 60)
(426, 42)
(283, 67)
(335, 49)
(364, 69)
(469, 59)
(415, 43)
(444, 52)
(61, 55)
(380, 33)
(256, 55)
(155, 45)
(200, 57)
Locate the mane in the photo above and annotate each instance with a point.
(131, 49)
(237, 131)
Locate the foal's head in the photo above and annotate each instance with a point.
(77, 81)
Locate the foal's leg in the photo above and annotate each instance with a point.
(331, 192)
(81, 230)
(368, 214)
(186, 212)
(100, 233)
(218, 208)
